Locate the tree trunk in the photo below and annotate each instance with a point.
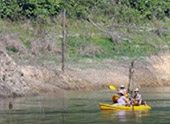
(64, 39)
(131, 78)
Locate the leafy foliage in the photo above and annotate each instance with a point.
(16, 9)
(19, 9)
(150, 8)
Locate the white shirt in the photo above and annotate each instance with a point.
(122, 100)
(138, 98)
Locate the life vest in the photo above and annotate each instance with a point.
(115, 98)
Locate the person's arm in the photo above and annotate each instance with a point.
(125, 99)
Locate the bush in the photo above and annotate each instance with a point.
(9, 9)
(151, 8)
(19, 9)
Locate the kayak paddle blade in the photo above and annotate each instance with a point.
(112, 87)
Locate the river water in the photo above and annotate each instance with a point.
(81, 107)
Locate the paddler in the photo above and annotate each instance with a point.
(122, 90)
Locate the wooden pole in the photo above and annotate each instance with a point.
(64, 39)
(131, 78)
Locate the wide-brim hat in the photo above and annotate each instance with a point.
(136, 90)
(122, 86)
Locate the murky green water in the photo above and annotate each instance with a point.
(81, 107)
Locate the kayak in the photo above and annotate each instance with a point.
(119, 107)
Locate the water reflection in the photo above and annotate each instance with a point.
(124, 116)
(121, 115)
(140, 114)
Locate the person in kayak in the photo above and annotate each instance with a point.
(122, 100)
(137, 99)
(122, 90)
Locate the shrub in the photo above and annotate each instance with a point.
(17, 9)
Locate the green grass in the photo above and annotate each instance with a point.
(139, 43)
(84, 41)
(142, 44)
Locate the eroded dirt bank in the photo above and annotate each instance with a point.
(17, 80)
(14, 83)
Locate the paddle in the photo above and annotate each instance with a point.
(112, 87)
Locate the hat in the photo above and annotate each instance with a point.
(122, 86)
(136, 90)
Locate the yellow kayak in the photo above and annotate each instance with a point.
(118, 107)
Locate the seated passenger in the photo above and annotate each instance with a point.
(137, 99)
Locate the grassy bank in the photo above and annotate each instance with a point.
(84, 40)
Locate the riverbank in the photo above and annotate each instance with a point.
(20, 80)
(31, 56)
